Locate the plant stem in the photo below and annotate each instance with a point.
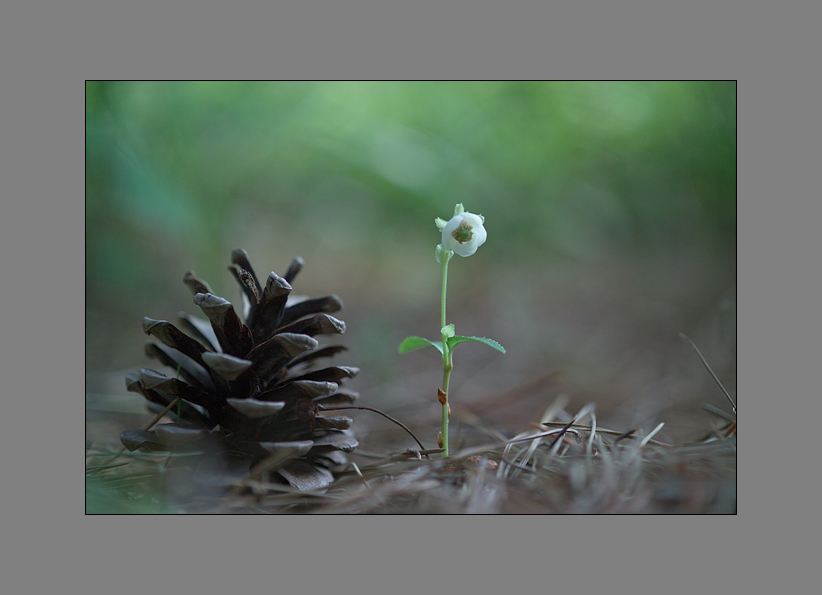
(447, 363)
(444, 285)
(446, 375)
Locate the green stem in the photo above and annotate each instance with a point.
(444, 285)
(447, 362)
(446, 375)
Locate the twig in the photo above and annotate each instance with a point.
(684, 336)
(385, 415)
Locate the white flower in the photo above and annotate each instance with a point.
(464, 233)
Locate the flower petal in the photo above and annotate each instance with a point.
(464, 233)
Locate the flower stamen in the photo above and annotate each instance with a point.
(463, 233)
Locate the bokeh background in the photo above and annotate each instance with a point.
(611, 217)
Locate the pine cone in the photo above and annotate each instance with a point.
(250, 386)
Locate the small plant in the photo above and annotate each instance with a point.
(463, 234)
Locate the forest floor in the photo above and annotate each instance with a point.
(599, 406)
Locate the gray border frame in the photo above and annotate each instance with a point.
(50, 51)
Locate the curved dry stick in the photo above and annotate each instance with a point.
(385, 415)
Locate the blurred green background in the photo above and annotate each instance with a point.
(610, 209)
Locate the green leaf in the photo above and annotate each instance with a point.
(412, 343)
(448, 330)
(490, 342)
